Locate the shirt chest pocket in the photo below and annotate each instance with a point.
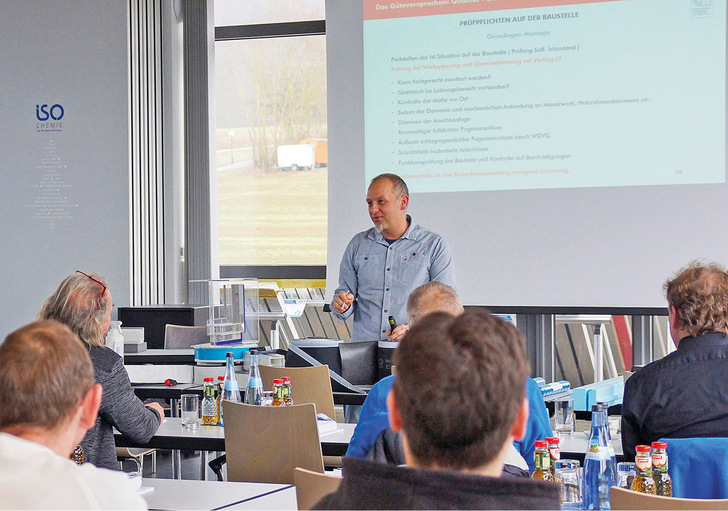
(369, 271)
(413, 269)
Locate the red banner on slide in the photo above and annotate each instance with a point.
(381, 9)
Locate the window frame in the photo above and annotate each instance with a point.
(268, 31)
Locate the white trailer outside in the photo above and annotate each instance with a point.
(296, 156)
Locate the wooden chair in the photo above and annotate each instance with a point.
(309, 385)
(181, 337)
(622, 499)
(265, 443)
(312, 486)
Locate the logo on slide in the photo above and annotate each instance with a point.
(49, 117)
(702, 8)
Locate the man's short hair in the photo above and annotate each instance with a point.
(699, 293)
(81, 304)
(400, 187)
(430, 297)
(45, 372)
(461, 381)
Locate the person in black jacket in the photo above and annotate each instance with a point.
(459, 400)
(83, 303)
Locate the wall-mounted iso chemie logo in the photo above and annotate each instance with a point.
(49, 117)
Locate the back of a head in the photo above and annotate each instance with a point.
(434, 296)
(81, 303)
(459, 387)
(45, 371)
(699, 293)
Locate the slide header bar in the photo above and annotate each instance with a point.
(380, 9)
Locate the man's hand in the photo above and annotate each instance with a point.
(398, 333)
(343, 301)
(158, 407)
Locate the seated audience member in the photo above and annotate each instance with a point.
(374, 418)
(683, 395)
(83, 303)
(48, 400)
(459, 400)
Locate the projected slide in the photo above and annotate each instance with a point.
(466, 95)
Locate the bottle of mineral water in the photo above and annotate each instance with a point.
(254, 390)
(598, 476)
(230, 388)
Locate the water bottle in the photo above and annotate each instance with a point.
(254, 390)
(114, 339)
(610, 445)
(230, 389)
(597, 465)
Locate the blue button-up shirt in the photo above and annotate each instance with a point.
(381, 276)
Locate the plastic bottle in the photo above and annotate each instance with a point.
(210, 412)
(231, 389)
(554, 454)
(597, 465)
(278, 399)
(115, 339)
(287, 390)
(219, 386)
(643, 481)
(663, 482)
(541, 461)
(254, 390)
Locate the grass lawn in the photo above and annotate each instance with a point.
(272, 217)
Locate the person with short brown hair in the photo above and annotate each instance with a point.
(459, 400)
(83, 303)
(48, 400)
(683, 394)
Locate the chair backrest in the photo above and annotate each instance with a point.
(697, 467)
(627, 499)
(312, 486)
(180, 337)
(264, 444)
(308, 384)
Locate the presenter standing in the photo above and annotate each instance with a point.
(383, 265)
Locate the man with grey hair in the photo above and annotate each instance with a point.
(383, 265)
(48, 400)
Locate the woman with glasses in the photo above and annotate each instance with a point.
(83, 303)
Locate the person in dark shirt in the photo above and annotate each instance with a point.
(684, 394)
(459, 400)
(83, 303)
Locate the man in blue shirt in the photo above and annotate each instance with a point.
(383, 265)
(374, 417)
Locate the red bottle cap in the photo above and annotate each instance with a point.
(540, 443)
(277, 381)
(209, 379)
(286, 378)
(552, 440)
(643, 448)
(659, 445)
(221, 378)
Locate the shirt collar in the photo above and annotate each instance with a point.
(703, 340)
(378, 237)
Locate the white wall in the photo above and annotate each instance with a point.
(65, 194)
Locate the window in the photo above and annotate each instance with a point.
(271, 139)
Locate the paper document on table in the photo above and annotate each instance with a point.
(325, 423)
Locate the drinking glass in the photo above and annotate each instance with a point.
(564, 416)
(625, 474)
(190, 411)
(568, 476)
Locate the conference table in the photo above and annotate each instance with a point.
(177, 495)
(574, 446)
(171, 435)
